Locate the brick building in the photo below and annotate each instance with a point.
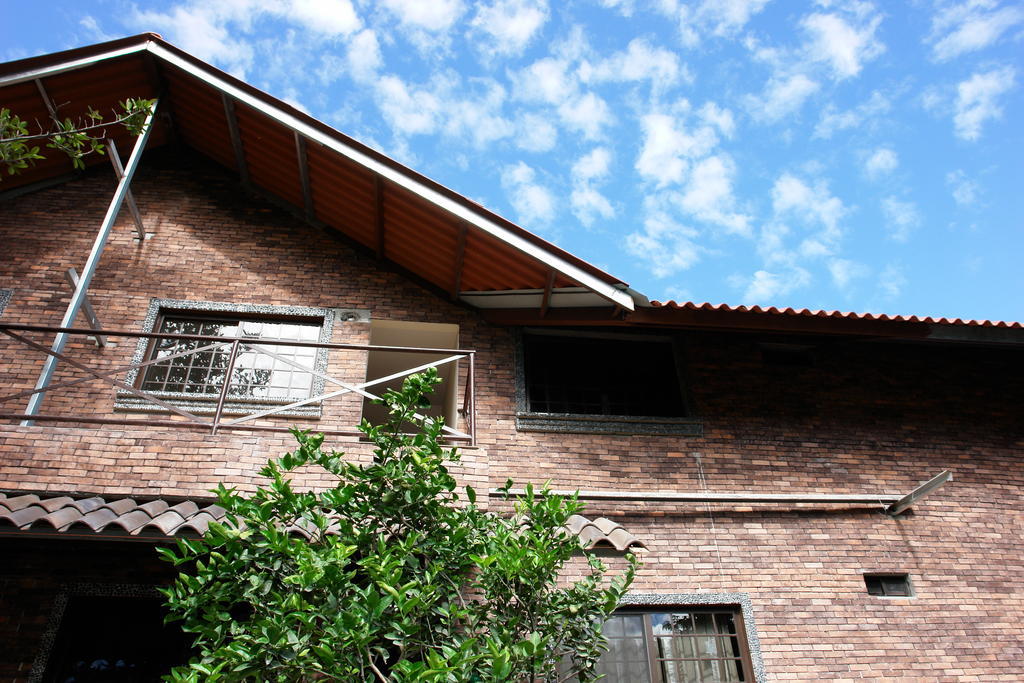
(750, 457)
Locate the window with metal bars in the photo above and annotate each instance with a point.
(275, 372)
(676, 645)
(601, 376)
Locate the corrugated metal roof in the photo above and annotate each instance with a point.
(835, 315)
(97, 517)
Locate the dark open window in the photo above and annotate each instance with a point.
(110, 639)
(888, 585)
(597, 376)
(676, 645)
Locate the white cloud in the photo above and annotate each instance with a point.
(962, 27)
(719, 117)
(546, 80)
(667, 246)
(845, 271)
(667, 148)
(551, 81)
(475, 114)
(434, 16)
(363, 55)
(781, 97)
(624, 7)
(639, 61)
(965, 191)
(843, 47)
(202, 31)
(792, 196)
(976, 100)
(533, 203)
(409, 112)
(216, 31)
(587, 114)
(587, 202)
(719, 18)
(708, 195)
(510, 24)
(93, 29)
(901, 218)
(833, 120)
(882, 161)
(765, 287)
(593, 166)
(535, 133)
(891, 281)
(330, 17)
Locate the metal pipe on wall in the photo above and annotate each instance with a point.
(50, 365)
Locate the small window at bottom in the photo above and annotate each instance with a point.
(677, 645)
(888, 585)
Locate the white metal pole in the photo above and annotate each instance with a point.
(89, 270)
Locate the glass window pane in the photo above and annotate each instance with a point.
(633, 625)
(257, 374)
(667, 624)
(725, 623)
(680, 671)
(704, 622)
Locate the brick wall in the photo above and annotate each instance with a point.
(865, 417)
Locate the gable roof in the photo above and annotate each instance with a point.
(331, 179)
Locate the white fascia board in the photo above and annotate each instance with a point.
(71, 65)
(559, 265)
(570, 297)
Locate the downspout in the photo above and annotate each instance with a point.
(50, 365)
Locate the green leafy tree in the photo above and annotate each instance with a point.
(77, 139)
(391, 575)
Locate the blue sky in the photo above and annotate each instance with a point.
(839, 155)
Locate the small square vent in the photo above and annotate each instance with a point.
(888, 585)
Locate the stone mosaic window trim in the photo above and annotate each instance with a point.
(204, 405)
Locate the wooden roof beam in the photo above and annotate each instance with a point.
(546, 300)
(378, 215)
(307, 192)
(236, 138)
(460, 260)
(47, 100)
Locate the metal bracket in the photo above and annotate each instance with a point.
(71, 275)
(115, 160)
(919, 493)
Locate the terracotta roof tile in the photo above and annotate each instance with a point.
(602, 533)
(164, 524)
(805, 312)
(51, 504)
(87, 505)
(62, 518)
(159, 519)
(17, 503)
(97, 519)
(25, 516)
